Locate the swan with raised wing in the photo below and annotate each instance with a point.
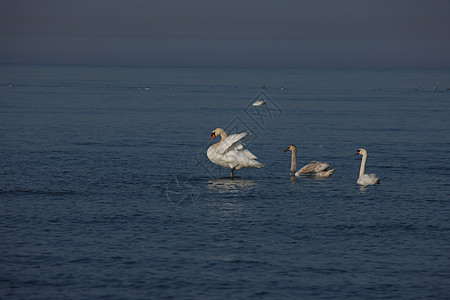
(230, 153)
(365, 179)
(314, 168)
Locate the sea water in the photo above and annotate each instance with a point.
(106, 191)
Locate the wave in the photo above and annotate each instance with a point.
(19, 192)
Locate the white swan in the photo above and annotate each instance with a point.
(314, 168)
(230, 153)
(259, 102)
(365, 179)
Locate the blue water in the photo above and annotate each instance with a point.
(106, 191)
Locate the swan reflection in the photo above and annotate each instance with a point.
(309, 179)
(227, 185)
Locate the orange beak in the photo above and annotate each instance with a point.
(356, 153)
(212, 136)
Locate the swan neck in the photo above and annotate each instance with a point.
(223, 136)
(362, 169)
(294, 160)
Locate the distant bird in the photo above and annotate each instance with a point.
(259, 102)
(314, 168)
(230, 153)
(365, 179)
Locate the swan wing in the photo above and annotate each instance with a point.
(313, 167)
(217, 158)
(234, 159)
(368, 179)
(247, 154)
(232, 142)
(240, 159)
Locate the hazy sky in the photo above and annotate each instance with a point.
(315, 33)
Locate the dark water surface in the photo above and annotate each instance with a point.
(106, 191)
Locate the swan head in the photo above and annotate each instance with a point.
(216, 132)
(290, 148)
(361, 151)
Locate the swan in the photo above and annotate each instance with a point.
(365, 179)
(259, 102)
(230, 153)
(314, 168)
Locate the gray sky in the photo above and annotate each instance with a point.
(285, 33)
